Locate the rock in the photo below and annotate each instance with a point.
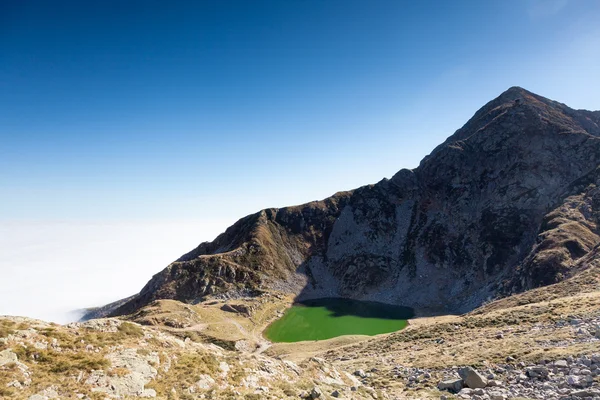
(315, 393)
(471, 378)
(140, 372)
(15, 384)
(7, 357)
(335, 394)
(205, 382)
(452, 385)
(225, 368)
(148, 393)
(237, 308)
(537, 372)
(586, 393)
(46, 394)
(575, 381)
(360, 373)
(561, 364)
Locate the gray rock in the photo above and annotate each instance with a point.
(140, 373)
(586, 393)
(7, 357)
(452, 385)
(360, 373)
(537, 372)
(561, 364)
(472, 379)
(315, 393)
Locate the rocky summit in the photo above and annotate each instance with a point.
(493, 241)
(508, 203)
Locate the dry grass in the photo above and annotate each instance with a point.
(7, 328)
(474, 339)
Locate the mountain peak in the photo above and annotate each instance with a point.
(514, 90)
(517, 94)
(466, 224)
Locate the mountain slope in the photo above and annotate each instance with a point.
(507, 203)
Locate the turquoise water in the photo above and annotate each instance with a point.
(327, 318)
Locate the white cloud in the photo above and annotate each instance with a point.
(49, 269)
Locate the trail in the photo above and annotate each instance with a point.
(262, 344)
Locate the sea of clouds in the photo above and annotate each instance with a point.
(50, 270)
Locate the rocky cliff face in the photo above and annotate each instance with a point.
(507, 203)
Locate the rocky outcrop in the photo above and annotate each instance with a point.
(114, 359)
(567, 379)
(509, 202)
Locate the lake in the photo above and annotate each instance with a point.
(327, 318)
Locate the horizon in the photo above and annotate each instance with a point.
(133, 132)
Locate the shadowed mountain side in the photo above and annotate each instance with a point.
(506, 204)
(340, 307)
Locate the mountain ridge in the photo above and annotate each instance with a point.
(482, 216)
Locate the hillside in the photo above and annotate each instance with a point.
(508, 203)
(499, 224)
(542, 344)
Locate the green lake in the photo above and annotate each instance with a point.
(327, 318)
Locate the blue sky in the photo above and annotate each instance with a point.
(146, 109)
(130, 131)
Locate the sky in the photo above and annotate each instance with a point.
(132, 131)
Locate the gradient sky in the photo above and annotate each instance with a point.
(203, 112)
(148, 109)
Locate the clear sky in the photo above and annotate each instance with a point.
(148, 112)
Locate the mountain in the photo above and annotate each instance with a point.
(507, 208)
(508, 203)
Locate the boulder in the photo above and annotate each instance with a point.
(561, 364)
(472, 379)
(237, 309)
(537, 372)
(452, 385)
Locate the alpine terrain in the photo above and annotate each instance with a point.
(507, 203)
(493, 242)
